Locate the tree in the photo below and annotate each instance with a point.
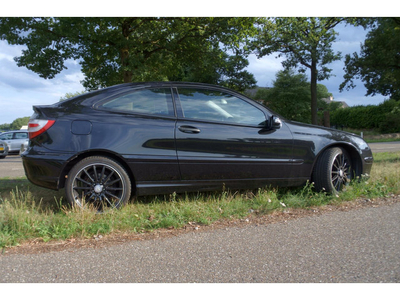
(378, 64)
(233, 75)
(306, 44)
(116, 50)
(71, 95)
(221, 69)
(18, 123)
(290, 96)
(4, 127)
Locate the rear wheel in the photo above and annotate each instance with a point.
(99, 182)
(332, 171)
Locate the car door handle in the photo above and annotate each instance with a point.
(188, 129)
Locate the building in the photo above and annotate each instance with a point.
(330, 100)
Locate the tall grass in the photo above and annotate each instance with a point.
(28, 212)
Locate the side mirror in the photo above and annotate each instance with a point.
(275, 122)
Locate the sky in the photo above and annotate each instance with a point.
(21, 88)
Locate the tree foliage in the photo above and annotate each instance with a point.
(384, 117)
(115, 50)
(378, 64)
(290, 96)
(16, 124)
(306, 45)
(71, 95)
(19, 122)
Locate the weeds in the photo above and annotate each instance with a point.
(28, 212)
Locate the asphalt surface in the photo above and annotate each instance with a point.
(360, 245)
(385, 147)
(11, 166)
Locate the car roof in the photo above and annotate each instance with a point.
(22, 130)
(92, 97)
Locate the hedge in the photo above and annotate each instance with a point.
(385, 117)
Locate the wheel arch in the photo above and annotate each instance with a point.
(355, 156)
(67, 168)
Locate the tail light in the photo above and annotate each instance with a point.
(37, 127)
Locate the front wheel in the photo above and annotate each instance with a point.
(333, 170)
(98, 181)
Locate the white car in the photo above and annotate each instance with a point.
(15, 139)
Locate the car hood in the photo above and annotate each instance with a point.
(323, 136)
(318, 130)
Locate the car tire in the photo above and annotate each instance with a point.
(98, 181)
(332, 171)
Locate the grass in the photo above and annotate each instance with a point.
(28, 212)
(372, 135)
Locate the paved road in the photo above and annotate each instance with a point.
(11, 166)
(385, 147)
(356, 246)
(361, 245)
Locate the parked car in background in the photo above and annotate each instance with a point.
(3, 149)
(15, 139)
(164, 137)
(24, 146)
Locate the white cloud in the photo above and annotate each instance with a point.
(4, 56)
(21, 88)
(264, 69)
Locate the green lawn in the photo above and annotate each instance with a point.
(29, 212)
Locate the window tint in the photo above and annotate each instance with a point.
(210, 105)
(150, 102)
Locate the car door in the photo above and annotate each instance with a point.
(140, 126)
(19, 139)
(220, 136)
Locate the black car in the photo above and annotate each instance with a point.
(164, 137)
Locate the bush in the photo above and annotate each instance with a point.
(384, 117)
(391, 124)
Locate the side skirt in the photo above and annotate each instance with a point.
(156, 188)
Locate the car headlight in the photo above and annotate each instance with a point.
(360, 143)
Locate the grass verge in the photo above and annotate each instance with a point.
(28, 212)
(373, 136)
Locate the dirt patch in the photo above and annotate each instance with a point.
(38, 246)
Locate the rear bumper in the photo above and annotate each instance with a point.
(44, 169)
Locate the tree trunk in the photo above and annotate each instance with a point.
(124, 62)
(314, 107)
(125, 53)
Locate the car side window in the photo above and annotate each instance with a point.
(6, 136)
(213, 105)
(149, 102)
(21, 135)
